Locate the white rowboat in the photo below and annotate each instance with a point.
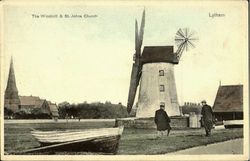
(102, 139)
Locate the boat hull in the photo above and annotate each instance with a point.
(233, 124)
(104, 140)
(105, 145)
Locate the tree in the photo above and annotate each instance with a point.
(8, 113)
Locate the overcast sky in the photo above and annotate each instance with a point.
(90, 59)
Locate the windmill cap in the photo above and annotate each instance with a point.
(162, 104)
(203, 101)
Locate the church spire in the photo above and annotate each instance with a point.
(11, 98)
(11, 85)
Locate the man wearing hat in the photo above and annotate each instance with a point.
(162, 121)
(207, 117)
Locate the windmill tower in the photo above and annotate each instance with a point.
(11, 98)
(153, 69)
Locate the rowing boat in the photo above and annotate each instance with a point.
(233, 123)
(88, 140)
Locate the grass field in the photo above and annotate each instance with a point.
(133, 141)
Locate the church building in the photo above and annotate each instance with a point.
(26, 104)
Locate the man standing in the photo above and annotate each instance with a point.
(207, 116)
(162, 121)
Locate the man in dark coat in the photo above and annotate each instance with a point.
(207, 117)
(162, 121)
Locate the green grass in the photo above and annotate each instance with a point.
(133, 141)
(17, 137)
(142, 141)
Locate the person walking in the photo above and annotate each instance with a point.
(207, 117)
(162, 121)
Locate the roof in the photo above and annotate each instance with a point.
(53, 109)
(229, 99)
(152, 54)
(36, 102)
(31, 101)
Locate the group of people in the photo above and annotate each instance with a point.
(162, 119)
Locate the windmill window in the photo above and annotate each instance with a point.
(162, 89)
(161, 72)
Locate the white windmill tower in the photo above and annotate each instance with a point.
(153, 69)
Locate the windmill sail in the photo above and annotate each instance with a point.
(184, 39)
(133, 87)
(136, 68)
(142, 28)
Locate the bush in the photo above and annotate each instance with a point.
(8, 113)
(23, 115)
(93, 111)
(188, 109)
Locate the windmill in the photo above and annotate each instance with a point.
(154, 70)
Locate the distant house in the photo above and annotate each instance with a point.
(28, 104)
(189, 107)
(228, 103)
(53, 111)
(35, 105)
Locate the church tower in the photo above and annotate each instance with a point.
(11, 98)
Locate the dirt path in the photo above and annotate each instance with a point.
(228, 147)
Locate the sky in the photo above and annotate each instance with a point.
(90, 59)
